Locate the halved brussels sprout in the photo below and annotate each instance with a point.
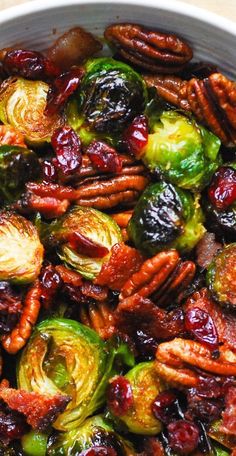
(221, 276)
(146, 385)
(95, 226)
(111, 94)
(22, 105)
(95, 432)
(21, 252)
(17, 166)
(66, 357)
(166, 217)
(185, 152)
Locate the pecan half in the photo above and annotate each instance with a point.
(106, 192)
(149, 49)
(162, 277)
(175, 357)
(98, 316)
(130, 166)
(212, 100)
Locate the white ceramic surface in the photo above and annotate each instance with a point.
(36, 24)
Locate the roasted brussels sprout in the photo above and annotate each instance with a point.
(86, 237)
(22, 105)
(66, 357)
(21, 252)
(221, 276)
(219, 202)
(95, 432)
(111, 94)
(34, 443)
(185, 152)
(146, 385)
(17, 166)
(164, 217)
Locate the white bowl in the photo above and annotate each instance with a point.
(36, 24)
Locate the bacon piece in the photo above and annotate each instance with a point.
(229, 415)
(137, 313)
(94, 291)
(68, 276)
(39, 409)
(123, 262)
(225, 322)
(10, 136)
(48, 206)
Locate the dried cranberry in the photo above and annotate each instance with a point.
(66, 145)
(136, 135)
(164, 406)
(62, 88)
(104, 157)
(146, 344)
(208, 387)
(183, 436)
(204, 409)
(29, 64)
(200, 324)
(10, 307)
(12, 424)
(222, 191)
(51, 282)
(85, 246)
(49, 171)
(119, 396)
(99, 451)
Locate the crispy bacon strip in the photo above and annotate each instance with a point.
(16, 340)
(39, 409)
(10, 136)
(68, 276)
(123, 262)
(179, 352)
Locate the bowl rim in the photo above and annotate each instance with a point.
(179, 7)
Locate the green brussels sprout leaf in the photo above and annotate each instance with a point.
(21, 252)
(186, 153)
(66, 357)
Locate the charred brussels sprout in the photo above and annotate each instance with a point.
(85, 238)
(166, 217)
(66, 357)
(219, 202)
(221, 276)
(22, 105)
(21, 252)
(146, 385)
(186, 153)
(17, 166)
(111, 94)
(95, 432)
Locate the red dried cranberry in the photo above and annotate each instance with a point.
(51, 282)
(200, 324)
(12, 424)
(183, 436)
(29, 64)
(104, 157)
(10, 307)
(61, 89)
(163, 406)
(86, 246)
(49, 171)
(208, 387)
(146, 345)
(66, 145)
(204, 409)
(119, 396)
(136, 135)
(222, 191)
(99, 451)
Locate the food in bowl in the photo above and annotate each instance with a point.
(117, 265)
